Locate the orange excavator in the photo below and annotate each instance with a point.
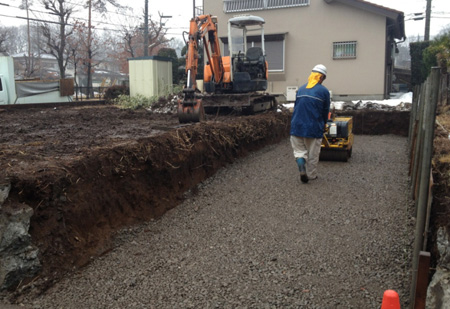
(237, 80)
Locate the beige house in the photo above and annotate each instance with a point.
(354, 39)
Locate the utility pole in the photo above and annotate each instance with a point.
(427, 21)
(146, 29)
(29, 64)
(194, 10)
(89, 65)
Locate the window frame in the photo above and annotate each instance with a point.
(347, 50)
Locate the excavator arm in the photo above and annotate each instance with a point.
(204, 27)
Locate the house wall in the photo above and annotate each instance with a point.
(310, 33)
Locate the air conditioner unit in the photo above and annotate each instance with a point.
(291, 93)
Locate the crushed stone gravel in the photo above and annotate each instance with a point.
(254, 236)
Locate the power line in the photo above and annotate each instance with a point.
(73, 17)
(76, 18)
(50, 13)
(33, 19)
(102, 29)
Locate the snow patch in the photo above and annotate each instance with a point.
(399, 101)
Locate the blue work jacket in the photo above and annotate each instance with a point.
(310, 111)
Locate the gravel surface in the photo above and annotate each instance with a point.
(254, 236)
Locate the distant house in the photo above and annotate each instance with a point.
(354, 39)
(106, 73)
(45, 66)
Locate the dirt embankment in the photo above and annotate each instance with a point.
(440, 212)
(373, 122)
(88, 171)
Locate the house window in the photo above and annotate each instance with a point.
(275, 55)
(254, 5)
(344, 50)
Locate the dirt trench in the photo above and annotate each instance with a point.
(90, 171)
(81, 198)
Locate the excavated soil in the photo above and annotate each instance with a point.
(89, 171)
(440, 212)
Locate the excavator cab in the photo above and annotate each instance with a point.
(248, 68)
(245, 67)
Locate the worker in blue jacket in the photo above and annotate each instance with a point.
(311, 109)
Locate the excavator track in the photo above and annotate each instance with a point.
(250, 102)
(194, 110)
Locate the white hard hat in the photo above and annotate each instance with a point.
(320, 68)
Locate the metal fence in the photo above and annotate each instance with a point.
(89, 93)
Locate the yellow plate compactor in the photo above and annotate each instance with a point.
(337, 141)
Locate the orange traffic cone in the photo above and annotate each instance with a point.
(390, 300)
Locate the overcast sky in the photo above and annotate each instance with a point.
(182, 10)
(440, 16)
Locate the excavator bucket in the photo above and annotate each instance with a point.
(190, 110)
(190, 107)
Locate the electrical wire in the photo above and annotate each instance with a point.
(75, 18)
(33, 19)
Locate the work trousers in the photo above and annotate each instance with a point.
(309, 149)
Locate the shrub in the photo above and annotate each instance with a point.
(419, 71)
(438, 53)
(114, 92)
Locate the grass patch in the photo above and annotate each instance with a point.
(135, 102)
(140, 101)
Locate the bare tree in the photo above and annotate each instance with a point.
(5, 36)
(31, 63)
(84, 51)
(25, 6)
(101, 7)
(56, 36)
(14, 39)
(133, 38)
(157, 35)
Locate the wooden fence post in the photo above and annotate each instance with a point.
(420, 295)
(419, 139)
(425, 167)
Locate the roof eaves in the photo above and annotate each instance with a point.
(396, 17)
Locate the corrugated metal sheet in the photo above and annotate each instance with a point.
(150, 76)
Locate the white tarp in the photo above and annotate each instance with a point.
(33, 88)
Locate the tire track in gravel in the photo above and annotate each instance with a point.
(253, 236)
